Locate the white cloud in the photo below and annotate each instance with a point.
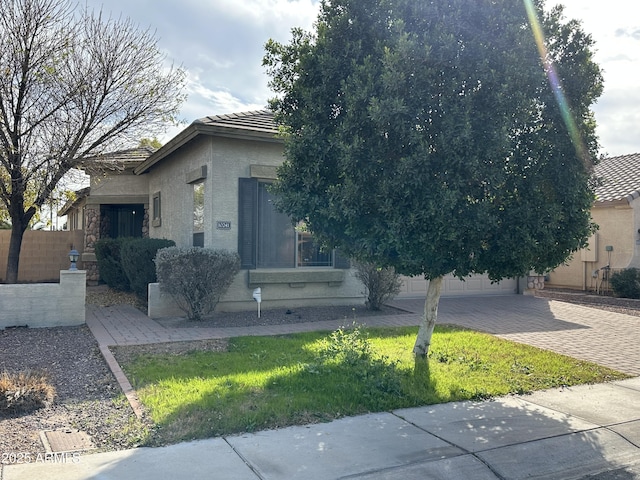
(615, 28)
(221, 44)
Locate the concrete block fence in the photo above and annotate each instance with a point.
(45, 304)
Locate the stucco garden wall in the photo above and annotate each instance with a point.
(45, 304)
(302, 288)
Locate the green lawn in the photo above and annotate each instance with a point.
(268, 382)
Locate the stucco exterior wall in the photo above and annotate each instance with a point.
(169, 177)
(125, 183)
(232, 159)
(226, 160)
(635, 260)
(618, 229)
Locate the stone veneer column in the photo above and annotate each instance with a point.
(91, 236)
(145, 223)
(92, 229)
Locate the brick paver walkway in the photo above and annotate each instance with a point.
(607, 338)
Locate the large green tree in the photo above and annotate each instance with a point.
(436, 137)
(72, 85)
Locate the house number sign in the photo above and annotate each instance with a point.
(222, 225)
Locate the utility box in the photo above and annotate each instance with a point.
(590, 254)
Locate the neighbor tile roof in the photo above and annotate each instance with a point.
(258, 120)
(123, 158)
(79, 195)
(620, 178)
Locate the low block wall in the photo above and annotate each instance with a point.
(45, 304)
(292, 289)
(160, 304)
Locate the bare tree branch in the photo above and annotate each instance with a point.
(73, 84)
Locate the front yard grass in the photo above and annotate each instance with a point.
(270, 382)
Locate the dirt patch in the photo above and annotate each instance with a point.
(126, 354)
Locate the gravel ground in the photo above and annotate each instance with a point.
(603, 302)
(90, 400)
(88, 397)
(280, 316)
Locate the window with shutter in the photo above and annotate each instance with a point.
(247, 214)
(268, 239)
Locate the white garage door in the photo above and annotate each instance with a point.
(452, 286)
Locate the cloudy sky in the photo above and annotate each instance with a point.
(221, 43)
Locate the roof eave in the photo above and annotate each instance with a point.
(616, 202)
(80, 195)
(199, 128)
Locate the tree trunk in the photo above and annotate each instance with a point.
(19, 223)
(423, 341)
(13, 259)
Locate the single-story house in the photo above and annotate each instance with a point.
(208, 186)
(616, 244)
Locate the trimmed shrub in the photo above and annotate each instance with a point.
(137, 262)
(626, 283)
(25, 391)
(196, 278)
(110, 263)
(382, 284)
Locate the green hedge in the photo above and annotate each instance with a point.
(110, 264)
(137, 262)
(626, 283)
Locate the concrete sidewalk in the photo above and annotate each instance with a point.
(575, 433)
(578, 433)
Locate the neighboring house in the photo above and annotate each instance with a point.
(208, 186)
(616, 244)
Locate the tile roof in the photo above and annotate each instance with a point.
(620, 178)
(256, 125)
(257, 121)
(79, 195)
(116, 160)
(129, 156)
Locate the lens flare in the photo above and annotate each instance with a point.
(554, 81)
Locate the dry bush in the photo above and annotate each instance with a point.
(381, 284)
(25, 391)
(197, 277)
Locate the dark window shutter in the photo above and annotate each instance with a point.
(247, 224)
(340, 261)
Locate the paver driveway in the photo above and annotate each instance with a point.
(606, 338)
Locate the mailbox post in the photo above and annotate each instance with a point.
(257, 296)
